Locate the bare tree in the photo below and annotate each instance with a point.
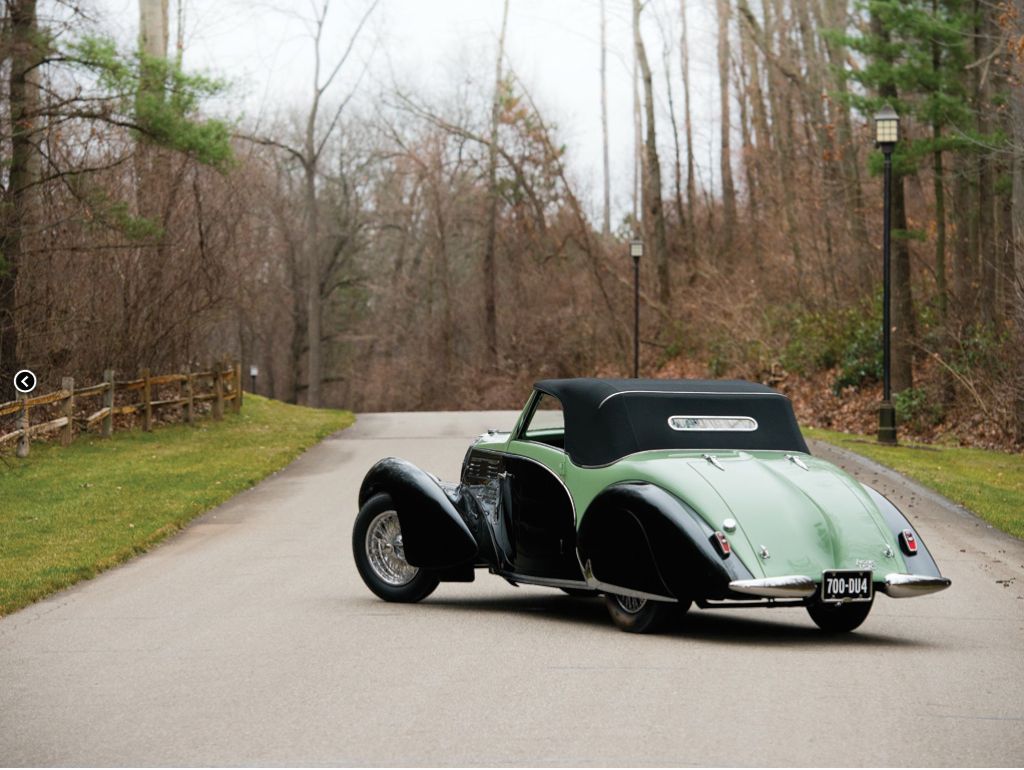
(728, 188)
(309, 155)
(691, 178)
(25, 54)
(606, 211)
(490, 244)
(654, 214)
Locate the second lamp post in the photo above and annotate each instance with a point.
(887, 133)
(636, 250)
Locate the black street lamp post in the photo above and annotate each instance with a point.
(253, 372)
(887, 133)
(636, 250)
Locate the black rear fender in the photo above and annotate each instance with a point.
(920, 563)
(638, 536)
(433, 533)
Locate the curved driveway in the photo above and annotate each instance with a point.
(249, 639)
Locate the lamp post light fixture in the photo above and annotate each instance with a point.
(887, 134)
(253, 372)
(636, 250)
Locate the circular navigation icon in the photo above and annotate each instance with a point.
(25, 381)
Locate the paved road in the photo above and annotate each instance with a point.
(249, 639)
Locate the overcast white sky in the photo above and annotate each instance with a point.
(552, 45)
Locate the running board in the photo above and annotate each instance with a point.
(515, 578)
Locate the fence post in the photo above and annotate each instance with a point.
(23, 442)
(190, 405)
(218, 391)
(68, 408)
(147, 402)
(238, 387)
(108, 402)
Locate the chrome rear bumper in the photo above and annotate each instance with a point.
(787, 587)
(895, 585)
(900, 586)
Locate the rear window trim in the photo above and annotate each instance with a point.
(714, 418)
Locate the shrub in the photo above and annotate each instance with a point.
(916, 409)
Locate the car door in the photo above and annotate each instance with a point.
(540, 513)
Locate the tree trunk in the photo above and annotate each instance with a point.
(986, 181)
(728, 189)
(939, 184)
(490, 245)
(963, 261)
(1017, 107)
(19, 198)
(314, 316)
(691, 177)
(153, 36)
(654, 214)
(756, 138)
(677, 167)
(638, 136)
(938, 180)
(606, 211)
(853, 194)
(783, 156)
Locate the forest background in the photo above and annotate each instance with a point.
(383, 247)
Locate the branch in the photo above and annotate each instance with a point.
(348, 48)
(267, 142)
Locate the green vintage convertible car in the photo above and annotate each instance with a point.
(658, 494)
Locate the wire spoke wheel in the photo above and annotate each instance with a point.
(385, 550)
(642, 616)
(630, 604)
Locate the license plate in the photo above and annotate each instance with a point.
(846, 585)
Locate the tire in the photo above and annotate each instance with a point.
(380, 558)
(642, 616)
(580, 592)
(839, 618)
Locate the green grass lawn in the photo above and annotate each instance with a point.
(68, 513)
(989, 483)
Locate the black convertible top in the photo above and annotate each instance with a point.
(606, 420)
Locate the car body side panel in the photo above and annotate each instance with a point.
(434, 533)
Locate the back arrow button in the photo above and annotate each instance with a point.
(25, 381)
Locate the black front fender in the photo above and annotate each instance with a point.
(434, 534)
(638, 536)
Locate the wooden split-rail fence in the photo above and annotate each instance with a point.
(220, 387)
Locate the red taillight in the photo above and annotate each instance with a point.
(722, 544)
(908, 542)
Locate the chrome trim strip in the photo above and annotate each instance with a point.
(558, 478)
(902, 586)
(787, 587)
(688, 393)
(599, 585)
(544, 581)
